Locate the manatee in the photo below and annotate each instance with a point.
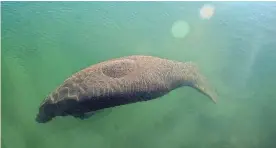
(120, 81)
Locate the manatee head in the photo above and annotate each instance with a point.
(46, 111)
(53, 106)
(59, 104)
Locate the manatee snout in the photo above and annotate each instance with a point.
(43, 118)
(46, 112)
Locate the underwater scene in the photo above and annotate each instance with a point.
(222, 53)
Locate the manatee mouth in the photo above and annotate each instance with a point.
(50, 110)
(46, 113)
(42, 118)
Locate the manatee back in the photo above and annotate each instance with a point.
(133, 76)
(127, 75)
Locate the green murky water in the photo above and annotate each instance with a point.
(44, 43)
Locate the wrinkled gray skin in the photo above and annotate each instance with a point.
(120, 81)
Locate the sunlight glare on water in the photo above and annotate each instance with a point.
(207, 11)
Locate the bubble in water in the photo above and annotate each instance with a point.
(180, 29)
(207, 11)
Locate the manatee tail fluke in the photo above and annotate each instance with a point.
(207, 92)
(200, 83)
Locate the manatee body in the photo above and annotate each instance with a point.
(118, 82)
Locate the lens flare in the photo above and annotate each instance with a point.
(180, 29)
(207, 11)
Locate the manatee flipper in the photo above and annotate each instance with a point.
(90, 114)
(84, 115)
